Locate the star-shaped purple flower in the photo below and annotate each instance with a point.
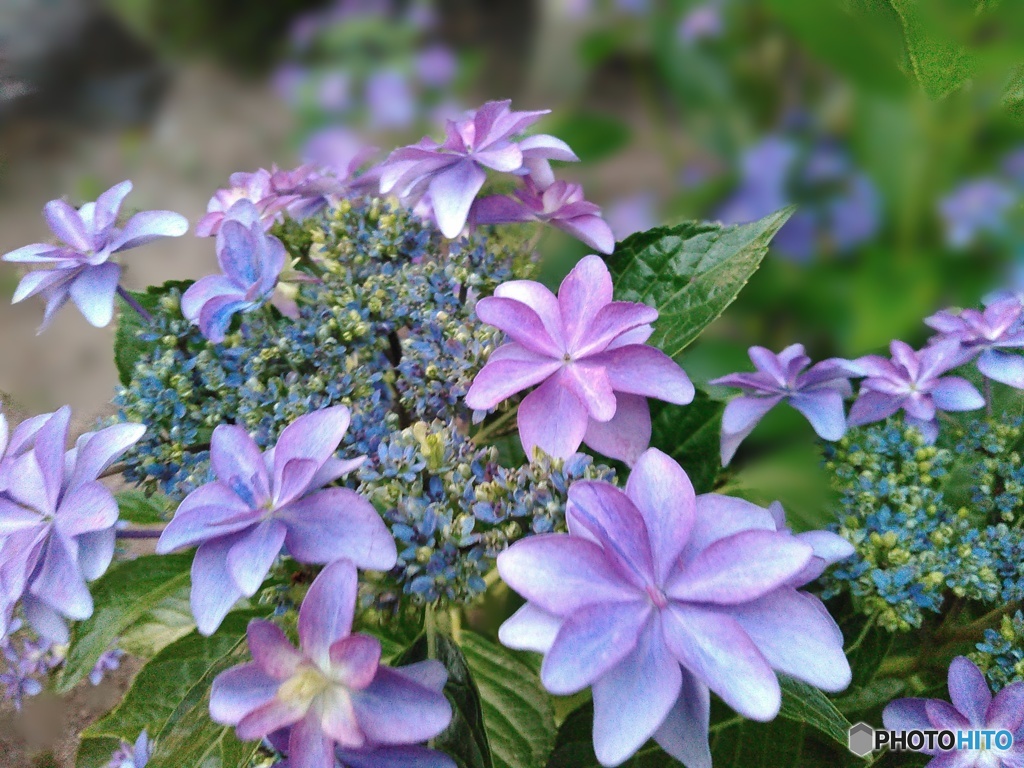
(654, 597)
(913, 381)
(263, 501)
(588, 354)
(973, 708)
(333, 691)
(256, 187)
(984, 335)
(561, 205)
(57, 519)
(252, 262)
(817, 392)
(453, 172)
(80, 266)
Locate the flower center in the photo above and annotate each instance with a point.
(306, 684)
(657, 597)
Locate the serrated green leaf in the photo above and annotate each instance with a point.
(195, 740)
(168, 678)
(465, 740)
(517, 711)
(142, 509)
(690, 272)
(121, 597)
(803, 703)
(96, 752)
(690, 435)
(170, 620)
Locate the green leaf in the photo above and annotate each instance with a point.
(168, 678)
(690, 435)
(940, 64)
(142, 509)
(465, 739)
(169, 620)
(518, 716)
(195, 740)
(121, 597)
(803, 703)
(690, 272)
(96, 752)
(128, 347)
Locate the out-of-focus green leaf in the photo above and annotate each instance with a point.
(517, 711)
(96, 752)
(860, 39)
(690, 272)
(592, 136)
(940, 64)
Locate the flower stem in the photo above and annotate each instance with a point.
(131, 302)
(494, 428)
(455, 620)
(430, 627)
(140, 533)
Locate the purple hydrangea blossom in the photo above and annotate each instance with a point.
(839, 205)
(656, 597)
(27, 665)
(973, 708)
(828, 548)
(263, 501)
(975, 208)
(109, 661)
(80, 266)
(913, 381)
(453, 172)
(57, 519)
(332, 691)
(436, 66)
(984, 335)
(341, 153)
(588, 355)
(703, 22)
(560, 205)
(257, 188)
(133, 755)
(251, 261)
(390, 99)
(629, 215)
(817, 392)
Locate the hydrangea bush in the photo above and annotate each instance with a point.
(382, 492)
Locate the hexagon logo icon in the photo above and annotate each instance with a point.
(861, 739)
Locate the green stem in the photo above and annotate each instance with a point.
(430, 627)
(971, 631)
(455, 620)
(488, 430)
(860, 638)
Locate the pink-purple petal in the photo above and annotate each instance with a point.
(145, 227)
(338, 523)
(530, 629)
(253, 553)
(592, 641)
(452, 192)
(633, 699)
(714, 647)
(602, 513)
(684, 732)
(740, 568)
(584, 291)
(553, 419)
(238, 691)
(520, 322)
(93, 293)
(627, 434)
(664, 496)
(969, 691)
(308, 745)
(561, 573)
(953, 393)
(326, 613)
(67, 224)
(395, 710)
(1002, 367)
(824, 410)
(499, 380)
(213, 590)
(271, 651)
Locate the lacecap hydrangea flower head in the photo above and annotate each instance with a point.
(656, 596)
